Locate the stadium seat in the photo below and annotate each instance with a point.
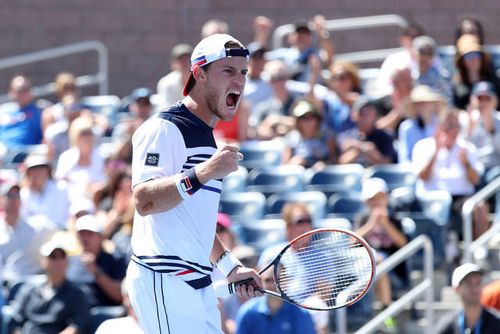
(261, 234)
(278, 179)
(243, 206)
(14, 157)
(315, 201)
(394, 175)
(347, 206)
(261, 153)
(236, 181)
(436, 205)
(336, 178)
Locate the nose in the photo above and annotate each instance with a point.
(240, 79)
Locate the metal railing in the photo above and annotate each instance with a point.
(353, 23)
(426, 286)
(485, 193)
(100, 78)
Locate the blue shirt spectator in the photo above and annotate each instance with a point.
(20, 121)
(255, 316)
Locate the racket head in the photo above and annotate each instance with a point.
(325, 269)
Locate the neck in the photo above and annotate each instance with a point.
(55, 280)
(200, 110)
(274, 303)
(472, 314)
(11, 219)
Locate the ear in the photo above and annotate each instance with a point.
(199, 73)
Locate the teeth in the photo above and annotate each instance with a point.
(235, 92)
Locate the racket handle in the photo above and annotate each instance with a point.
(224, 290)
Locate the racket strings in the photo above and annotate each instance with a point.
(331, 266)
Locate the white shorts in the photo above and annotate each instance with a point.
(165, 304)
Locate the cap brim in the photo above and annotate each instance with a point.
(188, 85)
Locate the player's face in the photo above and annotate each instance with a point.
(225, 84)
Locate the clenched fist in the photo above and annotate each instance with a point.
(223, 162)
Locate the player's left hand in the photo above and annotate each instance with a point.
(246, 290)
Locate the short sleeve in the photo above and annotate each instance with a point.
(158, 151)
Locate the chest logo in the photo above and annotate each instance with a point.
(152, 159)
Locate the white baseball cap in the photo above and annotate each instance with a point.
(210, 49)
(88, 223)
(463, 271)
(373, 186)
(50, 246)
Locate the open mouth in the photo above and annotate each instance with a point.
(232, 99)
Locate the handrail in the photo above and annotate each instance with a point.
(420, 242)
(490, 189)
(100, 78)
(351, 23)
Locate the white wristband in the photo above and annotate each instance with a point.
(227, 262)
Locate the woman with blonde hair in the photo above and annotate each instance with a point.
(82, 166)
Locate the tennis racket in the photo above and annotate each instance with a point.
(323, 269)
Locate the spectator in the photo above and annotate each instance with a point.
(20, 121)
(472, 26)
(447, 162)
(473, 65)
(55, 305)
(41, 194)
(65, 84)
(426, 72)
(97, 272)
(423, 109)
(21, 239)
(298, 220)
(170, 87)
(214, 26)
(366, 144)
(385, 234)
(309, 145)
(481, 124)
(268, 314)
(400, 59)
(140, 108)
(82, 166)
(296, 57)
(236, 130)
(391, 106)
(473, 318)
(127, 324)
(346, 83)
(257, 89)
(272, 117)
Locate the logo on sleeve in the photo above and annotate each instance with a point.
(152, 159)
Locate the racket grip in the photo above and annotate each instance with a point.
(232, 286)
(225, 290)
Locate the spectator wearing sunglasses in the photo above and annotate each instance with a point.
(473, 65)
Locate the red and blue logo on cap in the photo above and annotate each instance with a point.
(200, 61)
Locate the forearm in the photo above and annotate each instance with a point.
(157, 195)
(111, 287)
(397, 237)
(426, 172)
(472, 175)
(217, 250)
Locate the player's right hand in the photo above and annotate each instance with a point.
(223, 162)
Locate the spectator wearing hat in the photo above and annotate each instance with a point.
(426, 71)
(481, 124)
(54, 305)
(365, 144)
(41, 194)
(473, 65)
(65, 83)
(169, 87)
(308, 145)
(21, 238)
(422, 110)
(384, 233)
(466, 280)
(97, 272)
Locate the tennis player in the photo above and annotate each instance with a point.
(177, 174)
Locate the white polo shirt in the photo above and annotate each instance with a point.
(178, 241)
(448, 172)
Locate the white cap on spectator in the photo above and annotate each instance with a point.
(373, 186)
(82, 204)
(49, 247)
(462, 272)
(88, 223)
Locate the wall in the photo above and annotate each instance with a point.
(140, 34)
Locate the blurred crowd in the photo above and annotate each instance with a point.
(66, 200)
